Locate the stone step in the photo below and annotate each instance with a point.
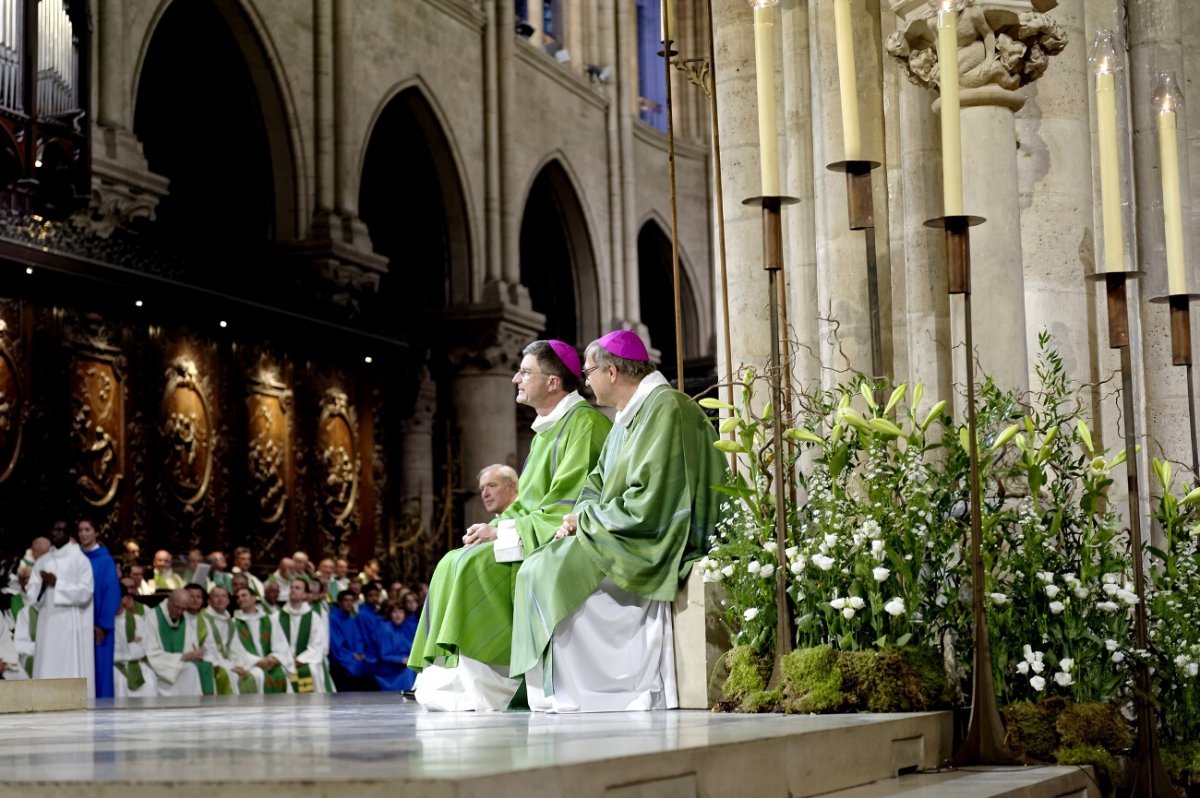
(42, 695)
(984, 782)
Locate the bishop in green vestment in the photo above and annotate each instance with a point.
(642, 519)
(462, 643)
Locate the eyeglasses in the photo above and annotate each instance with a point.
(586, 373)
(524, 375)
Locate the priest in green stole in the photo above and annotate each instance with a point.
(261, 655)
(305, 630)
(218, 649)
(592, 613)
(174, 653)
(461, 648)
(132, 674)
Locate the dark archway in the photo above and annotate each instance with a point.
(558, 264)
(656, 292)
(412, 201)
(210, 118)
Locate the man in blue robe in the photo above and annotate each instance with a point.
(347, 653)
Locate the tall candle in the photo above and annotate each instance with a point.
(764, 59)
(1168, 162)
(847, 80)
(667, 21)
(1110, 172)
(952, 191)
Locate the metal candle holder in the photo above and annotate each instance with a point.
(984, 743)
(860, 207)
(1150, 777)
(1181, 355)
(773, 263)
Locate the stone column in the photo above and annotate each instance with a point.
(1003, 45)
(487, 350)
(416, 468)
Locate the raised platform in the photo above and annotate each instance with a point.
(42, 695)
(372, 745)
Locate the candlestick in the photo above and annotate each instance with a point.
(847, 80)
(667, 21)
(1168, 101)
(764, 59)
(947, 23)
(1104, 63)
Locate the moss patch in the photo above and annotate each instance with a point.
(1094, 724)
(812, 681)
(1108, 770)
(747, 676)
(1032, 729)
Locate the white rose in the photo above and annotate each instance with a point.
(894, 607)
(876, 546)
(754, 566)
(1045, 576)
(1038, 666)
(1111, 645)
(1110, 589)
(1052, 590)
(1192, 669)
(1022, 667)
(728, 570)
(1107, 606)
(880, 573)
(1037, 683)
(1110, 579)
(750, 614)
(1056, 607)
(796, 566)
(1118, 656)
(791, 552)
(1066, 664)
(1064, 679)
(847, 613)
(771, 546)
(831, 540)
(999, 599)
(1128, 596)
(766, 571)
(1082, 592)
(838, 603)
(822, 562)
(856, 602)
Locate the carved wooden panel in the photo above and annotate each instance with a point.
(97, 427)
(267, 450)
(187, 432)
(12, 408)
(337, 452)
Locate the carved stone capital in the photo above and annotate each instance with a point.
(1002, 44)
(123, 187)
(338, 247)
(489, 337)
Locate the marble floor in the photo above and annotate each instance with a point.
(381, 745)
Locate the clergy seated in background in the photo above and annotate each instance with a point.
(270, 598)
(394, 646)
(218, 575)
(462, 645)
(132, 675)
(105, 603)
(219, 646)
(242, 563)
(262, 659)
(305, 632)
(61, 588)
(164, 577)
(173, 650)
(282, 578)
(347, 653)
(592, 621)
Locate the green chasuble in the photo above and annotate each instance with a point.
(174, 638)
(645, 514)
(470, 605)
(274, 680)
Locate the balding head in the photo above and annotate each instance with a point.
(40, 546)
(177, 603)
(162, 560)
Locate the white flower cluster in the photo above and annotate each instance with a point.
(1034, 662)
(1187, 664)
(848, 606)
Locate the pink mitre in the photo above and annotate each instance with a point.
(567, 354)
(626, 344)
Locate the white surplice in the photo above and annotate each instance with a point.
(11, 669)
(66, 638)
(614, 653)
(218, 648)
(176, 677)
(280, 649)
(314, 655)
(126, 651)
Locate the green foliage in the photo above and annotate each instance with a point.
(1033, 728)
(747, 674)
(1094, 724)
(1108, 770)
(1182, 761)
(812, 680)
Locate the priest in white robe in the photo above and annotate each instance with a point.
(10, 662)
(61, 588)
(132, 675)
(219, 646)
(306, 632)
(262, 658)
(174, 653)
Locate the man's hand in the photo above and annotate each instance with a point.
(570, 521)
(193, 655)
(266, 663)
(99, 637)
(360, 657)
(478, 533)
(49, 579)
(239, 670)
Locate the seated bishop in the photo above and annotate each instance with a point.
(592, 614)
(461, 648)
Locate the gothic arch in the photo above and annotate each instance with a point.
(281, 125)
(412, 105)
(656, 295)
(558, 257)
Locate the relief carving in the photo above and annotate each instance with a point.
(96, 424)
(337, 453)
(11, 407)
(187, 432)
(268, 442)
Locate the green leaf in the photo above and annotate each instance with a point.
(730, 424)
(801, 434)
(918, 392)
(712, 403)
(1118, 458)
(1194, 495)
(1005, 436)
(730, 447)
(867, 394)
(903, 639)
(1085, 435)
(897, 395)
